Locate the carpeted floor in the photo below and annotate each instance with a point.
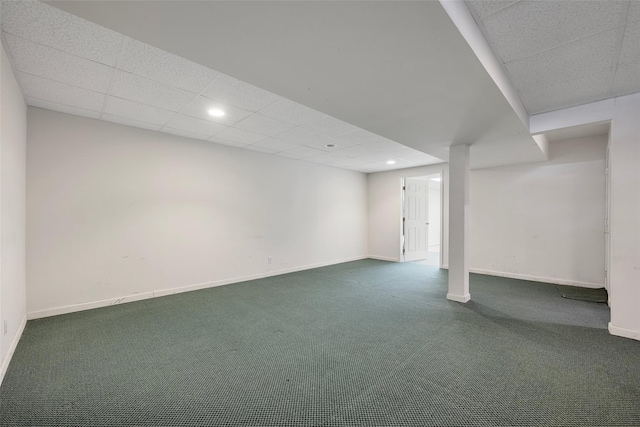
(598, 295)
(365, 343)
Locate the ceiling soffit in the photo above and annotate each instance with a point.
(397, 69)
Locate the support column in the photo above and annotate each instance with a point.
(458, 223)
(624, 173)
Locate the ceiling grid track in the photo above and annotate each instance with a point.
(164, 126)
(618, 49)
(123, 46)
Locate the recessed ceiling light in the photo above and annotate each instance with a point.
(216, 112)
(330, 145)
(391, 162)
(436, 179)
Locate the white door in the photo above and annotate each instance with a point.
(416, 219)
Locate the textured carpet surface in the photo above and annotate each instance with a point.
(365, 343)
(584, 294)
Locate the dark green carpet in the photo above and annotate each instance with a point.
(584, 294)
(365, 343)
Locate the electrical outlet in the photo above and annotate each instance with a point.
(268, 260)
(5, 326)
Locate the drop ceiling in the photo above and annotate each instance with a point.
(395, 71)
(347, 84)
(68, 64)
(560, 54)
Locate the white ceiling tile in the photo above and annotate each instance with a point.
(184, 133)
(44, 61)
(50, 26)
(260, 149)
(419, 157)
(564, 94)
(322, 159)
(276, 145)
(370, 168)
(627, 80)
(159, 65)
(406, 154)
(306, 136)
(630, 51)
(62, 93)
(191, 124)
(200, 106)
(136, 111)
(301, 153)
(228, 143)
(229, 90)
(390, 155)
(377, 157)
(356, 150)
(328, 158)
(384, 144)
(146, 91)
(359, 136)
(341, 144)
(529, 27)
(129, 122)
(239, 136)
(421, 161)
(347, 162)
(382, 165)
(330, 126)
(571, 61)
(487, 7)
(291, 112)
(328, 145)
(264, 125)
(35, 102)
(633, 14)
(334, 150)
(348, 168)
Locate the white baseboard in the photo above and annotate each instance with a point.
(12, 348)
(384, 258)
(537, 278)
(88, 305)
(622, 332)
(198, 286)
(459, 298)
(164, 292)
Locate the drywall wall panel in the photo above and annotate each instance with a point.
(13, 128)
(538, 221)
(543, 221)
(624, 278)
(385, 210)
(115, 212)
(435, 214)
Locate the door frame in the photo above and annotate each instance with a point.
(607, 221)
(438, 174)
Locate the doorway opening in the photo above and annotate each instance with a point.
(421, 231)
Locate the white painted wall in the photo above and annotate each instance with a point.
(385, 210)
(435, 211)
(13, 137)
(118, 212)
(539, 221)
(624, 275)
(542, 221)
